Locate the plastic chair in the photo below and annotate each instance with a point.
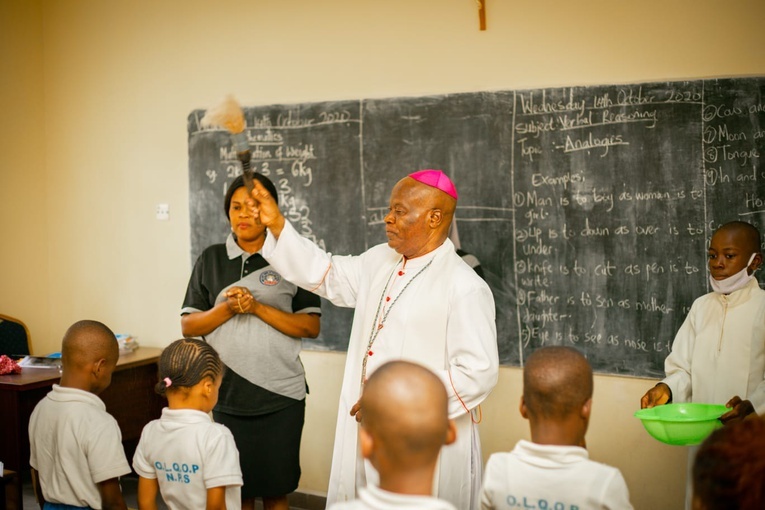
(14, 336)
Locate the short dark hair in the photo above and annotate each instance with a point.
(750, 232)
(239, 183)
(90, 327)
(557, 381)
(186, 362)
(88, 340)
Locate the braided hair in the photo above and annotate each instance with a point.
(186, 362)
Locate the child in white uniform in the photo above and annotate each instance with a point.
(76, 446)
(190, 460)
(404, 424)
(718, 355)
(553, 471)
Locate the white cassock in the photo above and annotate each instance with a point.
(718, 353)
(439, 314)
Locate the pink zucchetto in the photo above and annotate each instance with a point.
(436, 179)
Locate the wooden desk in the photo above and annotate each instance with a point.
(130, 399)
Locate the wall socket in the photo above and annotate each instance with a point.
(163, 211)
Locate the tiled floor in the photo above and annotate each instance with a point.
(298, 501)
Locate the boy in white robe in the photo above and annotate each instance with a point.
(718, 355)
(404, 424)
(415, 299)
(553, 470)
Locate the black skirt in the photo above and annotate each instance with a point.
(269, 449)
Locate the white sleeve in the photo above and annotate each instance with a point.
(141, 464)
(105, 454)
(221, 461)
(617, 495)
(677, 366)
(33, 439)
(757, 397)
(301, 262)
(471, 350)
(487, 489)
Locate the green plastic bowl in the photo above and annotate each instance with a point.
(682, 424)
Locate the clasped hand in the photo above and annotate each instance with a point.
(239, 300)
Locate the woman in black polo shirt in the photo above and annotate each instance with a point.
(255, 319)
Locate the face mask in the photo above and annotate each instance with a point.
(733, 283)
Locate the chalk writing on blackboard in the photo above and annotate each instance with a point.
(590, 208)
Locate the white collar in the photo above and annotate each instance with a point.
(550, 455)
(234, 251)
(65, 394)
(422, 260)
(185, 416)
(376, 497)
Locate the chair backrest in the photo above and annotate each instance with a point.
(14, 336)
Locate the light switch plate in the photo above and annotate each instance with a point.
(163, 211)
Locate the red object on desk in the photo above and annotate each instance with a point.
(130, 399)
(8, 366)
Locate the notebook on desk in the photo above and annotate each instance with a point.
(52, 361)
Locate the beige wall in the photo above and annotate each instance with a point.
(95, 95)
(24, 212)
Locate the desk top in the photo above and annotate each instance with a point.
(37, 377)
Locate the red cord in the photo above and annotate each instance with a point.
(480, 413)
(322, 278)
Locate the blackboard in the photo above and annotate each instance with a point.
(590, 208)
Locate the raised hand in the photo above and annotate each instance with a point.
(265, 209)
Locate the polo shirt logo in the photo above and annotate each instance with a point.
(270, 278)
